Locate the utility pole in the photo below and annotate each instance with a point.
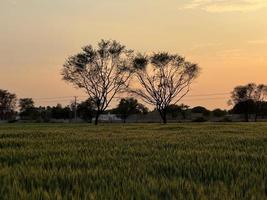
(75, 108)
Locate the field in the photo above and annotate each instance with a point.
(134, 161)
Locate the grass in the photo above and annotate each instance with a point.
(135, 161)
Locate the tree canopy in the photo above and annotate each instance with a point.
(7, 104)
(248, 99)
(102, 72)
(129, 106)
(163, 79)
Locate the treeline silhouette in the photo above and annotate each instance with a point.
(109, 70)
(24, 109)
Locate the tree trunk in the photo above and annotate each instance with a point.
(256, 117)
(257, 111)
(163, 115)
(184, 115)
(246, 117)
(164, 118)
(97, 117)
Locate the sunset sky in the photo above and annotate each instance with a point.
(227, 38)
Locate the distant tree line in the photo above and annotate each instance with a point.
(86, 110)
(249, 100)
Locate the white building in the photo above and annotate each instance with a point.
(108, 118)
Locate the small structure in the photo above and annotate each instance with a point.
(108, 118)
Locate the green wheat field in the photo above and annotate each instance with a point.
(133, 161)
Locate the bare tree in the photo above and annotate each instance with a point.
(163, 79)
(102, 72)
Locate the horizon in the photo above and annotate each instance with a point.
(227, 39)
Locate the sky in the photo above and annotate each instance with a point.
(227, 38)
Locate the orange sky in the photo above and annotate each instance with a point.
(227, 38)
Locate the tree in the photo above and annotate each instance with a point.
(184, 110)
(27, 109)
(129, 106)
(248, 99)
(86, 110)
(201, 110)
(244, 107)
(219, 112)
(260, 95)
(7, 104)
(102, 72)
(263, 111)
(26, 104)
(163, 79)
(174, 110)
(60, 112)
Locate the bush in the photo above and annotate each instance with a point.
(200, 119)
(12, 121)
(226, 119)
(219, 113)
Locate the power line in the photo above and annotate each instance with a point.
(69, 97)
(47, 98)
(51, 101)
(212, 94)
(58, 99)
(199, 99)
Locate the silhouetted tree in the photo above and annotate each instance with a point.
(86, 110)
(263, 110)
(201, 110)
(163, 79)
(260, 94)
(7, 105)
(60, 112)
(25, 104)
(129, 106)
(219, 112)
(27, 109)
(102, 72)
(184, 110)
(245, 108)
(174, 110)
(44, 113)
(248, 99)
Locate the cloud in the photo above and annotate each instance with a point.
(219, 6)
(258, 42)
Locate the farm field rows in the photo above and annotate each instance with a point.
(133, 161)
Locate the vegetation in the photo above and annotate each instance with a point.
(27, 109)
(86, 110)
(145, 161)
(200, 110)
(7, 105)
(249, 99)
(101, 72)
(163, 79)
(129, 106)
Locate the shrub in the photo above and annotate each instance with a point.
(199, 119)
